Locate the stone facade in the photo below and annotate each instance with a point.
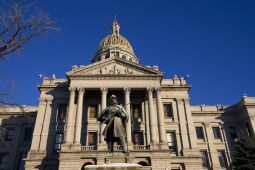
(164, 131)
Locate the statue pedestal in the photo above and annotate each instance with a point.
(117, 161)
(117, 166)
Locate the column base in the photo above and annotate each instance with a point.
(191, 152)
(130, 146)
(66, 146)
(163, 146)
(102, 146)
(76, 147)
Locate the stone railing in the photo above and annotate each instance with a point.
(88, 148)
(117, 148)
(141, 147)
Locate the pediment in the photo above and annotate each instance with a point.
(114, 67)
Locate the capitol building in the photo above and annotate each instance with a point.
(164, 131)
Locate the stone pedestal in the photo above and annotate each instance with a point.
(117, 166)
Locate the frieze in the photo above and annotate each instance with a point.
(115, 78)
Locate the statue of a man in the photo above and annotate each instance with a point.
(115, 118)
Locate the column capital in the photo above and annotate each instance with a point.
(158, 89)
(42, 101)
(81, 90)
(104, 90)
(150, 89)
(127, 90)
(49, 101)
(72, 89)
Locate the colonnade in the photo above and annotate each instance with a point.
(156, 119)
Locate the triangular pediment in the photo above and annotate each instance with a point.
(114, 67)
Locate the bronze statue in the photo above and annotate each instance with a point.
(115, 118)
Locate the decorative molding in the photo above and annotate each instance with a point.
(72, 90)
(81, 90)
(104, 90)
(115, 78)
(127, 90)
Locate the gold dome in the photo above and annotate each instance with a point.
(115, 45)
(115, 40)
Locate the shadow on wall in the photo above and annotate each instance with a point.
(16, 130)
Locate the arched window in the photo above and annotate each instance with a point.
(124, 57)
(143, 163)
(131, 59)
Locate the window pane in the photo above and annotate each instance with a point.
(28, 134)
(62, 112)
(3, 161)
(205, 161)
(222, 159)
(92, 138)
(200, 133)
(233, 133)
(216, 133)
(171, 140)
(9, 135)
(138, 138)
(137, 111)
(59, 137)
(168, 112)
(93, 111)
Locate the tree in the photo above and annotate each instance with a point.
(244, 156)
(19, 23)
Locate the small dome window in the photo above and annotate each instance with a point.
(124, 57)
(131, 59)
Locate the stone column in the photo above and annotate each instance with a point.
(38, 125)
(191, 127)
(46, 126)
(103, 106)
(70, 118)
(152, 117)
(78, 121)
(183, 126)
(212, 152)
(128, 125)
(161, 123)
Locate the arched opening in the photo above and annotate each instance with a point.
(143, 163)
(87, 163)
(124, 57)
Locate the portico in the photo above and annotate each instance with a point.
(151, 97)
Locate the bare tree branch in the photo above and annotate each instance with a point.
(19, 23)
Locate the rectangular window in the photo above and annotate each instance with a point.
(138, 138)
(233, 133)
(92, 138)
(200, 133)
(205, 160)
(168, 110)
(137, 111)
(62, 108)
(216, 133)
(171, 140)
(9, 134)
(3, 161)
(93, 111)
(28, 134)
(59, 138)
(222, 159)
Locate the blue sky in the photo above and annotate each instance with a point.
(212, 41)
